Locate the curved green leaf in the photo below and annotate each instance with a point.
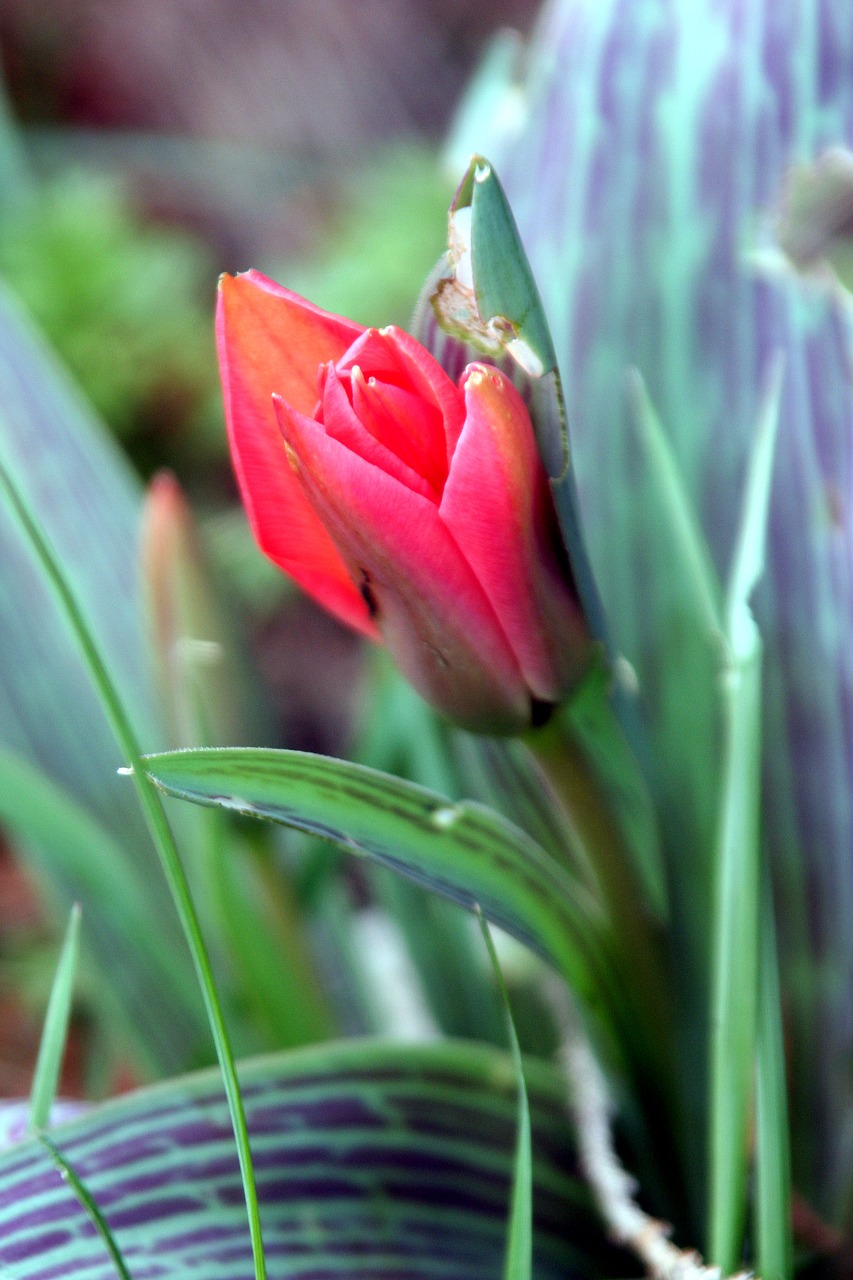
(462, 850)
(374, 1160)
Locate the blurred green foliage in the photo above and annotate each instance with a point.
(125, 302)
(388, 229)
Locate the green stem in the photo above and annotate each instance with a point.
(773, 1157)
(637, 1003)
(735, 958)
(161, 833)
(603, 844)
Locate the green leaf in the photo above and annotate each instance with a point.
(374, 1160)
(461, 850)
(519, 1244)
(88, 1203)
(697, 578)
(74, 477)
(503, 280)
(55, 1031)
(750, 548)
(772, 1142)
(737, 925)
(71, 851)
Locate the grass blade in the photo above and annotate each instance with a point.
(736, 923)
(735, 974)
(773, 1159)
(55, 1032)
(161, 834)
(519, 1245)
(87, 1200)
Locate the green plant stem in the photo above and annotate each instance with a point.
(597, 829)
(638, 1005)
(161, 833)
(773, 1158)
(735, 957)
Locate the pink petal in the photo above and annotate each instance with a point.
(428, 604)
(344, 423)
(420, 372)
(270, 340)
(497, 504)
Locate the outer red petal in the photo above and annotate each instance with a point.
(497, 505)
(428, 604)
(271, 340)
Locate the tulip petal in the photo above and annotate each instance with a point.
(343, 422)
(426, 600)
(270, 340)
(402, 421)
(498, 507)
(422, 373)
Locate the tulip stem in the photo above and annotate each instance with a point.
(606, 830)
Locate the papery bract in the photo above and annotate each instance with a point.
(409, 506)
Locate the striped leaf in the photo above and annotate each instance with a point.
(655, 148)
(375, 1161)
(50, 720)
(462, 850)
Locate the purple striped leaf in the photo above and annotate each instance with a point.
(374, 1161)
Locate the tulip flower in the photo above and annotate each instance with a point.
(413, 508)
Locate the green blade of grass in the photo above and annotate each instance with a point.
(737, 926)
(519, 1244)
(87, 1200)
(161, 834)
(773, 1159)
(55, 1031)
(735, 973)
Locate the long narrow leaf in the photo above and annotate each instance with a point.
(55, 1032)
(737, 924)
(773, 1156)
(519, 1244)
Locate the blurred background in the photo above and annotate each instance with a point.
(146, 148)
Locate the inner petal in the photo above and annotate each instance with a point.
(405, 423)
(395, 359)
(344, 424)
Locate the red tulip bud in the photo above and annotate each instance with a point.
(413, 509)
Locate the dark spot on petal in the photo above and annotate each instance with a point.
(540, 712)
(367, 595)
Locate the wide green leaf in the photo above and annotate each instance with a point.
(87, 500)
(374, 1160)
